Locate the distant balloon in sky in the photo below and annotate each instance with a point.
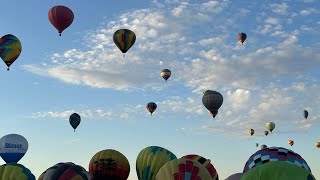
(305, 114)
(251, 132)
(266, 133)
(242, 37)
(13, 147)
(317, 144)
(212, 100)
(290, 142)
(74, 120)
(270, 126)
(61, 17)
(257, 144)
(14, 171)
(165, 74)
(10, 49)
(151, 106)
(124, 39)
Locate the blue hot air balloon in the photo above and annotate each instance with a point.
(13, 147)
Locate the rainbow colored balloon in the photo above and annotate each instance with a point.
(14, 171)
(10, 49)
(124, 39)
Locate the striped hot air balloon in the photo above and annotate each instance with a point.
(74, 120)
(165, 74)
(124, 39)
(61, 17)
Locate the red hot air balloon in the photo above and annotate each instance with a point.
(60, 17)
(242, 37)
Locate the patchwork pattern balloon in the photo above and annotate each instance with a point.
(242, 37)
(74, 120)
(165, 74)
(14, 171)
(212, 100)
(10, 49)
(150, 160)
(64, 171)
(13, 147)
(206, 163)
(124, 39)
(183, 169)
(61, 17)
(109, 164)
(151, 106)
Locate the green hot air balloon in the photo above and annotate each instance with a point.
(15, 171)
(10, 49)
(212, 100)
(124, 39)
(270, 126)
(74, 120)
(150, 160)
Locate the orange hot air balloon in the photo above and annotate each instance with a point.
(317, 144)
(290, 142)
(60, 17)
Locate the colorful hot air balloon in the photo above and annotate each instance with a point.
(14, 171)
(150, 160)
(165, 74)
(74, 120)
(13, 147)
(251, 131)
(305, 114)
(317, 144)
(242, 37)
(212, 100)
(151, 106)
(270, 126)
(263, 146)
(124, 39)
(109, 164)
(290, 142)
(60, 17)
(183, 169)
(10, 49)
(206, 163)
(65, 171)
(266, 133)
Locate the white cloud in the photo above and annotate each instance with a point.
(272, 21)
(239, 98)
(280, 8)
(306, 12)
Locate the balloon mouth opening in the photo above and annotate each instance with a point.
(213, 113)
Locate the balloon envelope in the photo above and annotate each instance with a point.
(14, 171)
(212, 100)
(290, 142)
(317, 144)
(74, 120)
(305, 114)
(251, 132)
(124, 39)
(242, 37)
(13, 147)
(151, 106)
(165, 74)
(183, 169)
(266, 133)
(109, 164)
(64, 171)
(61, 17)
(10, 49)
(206, 163)
(150, 160)
(270, 126)
(236, 176)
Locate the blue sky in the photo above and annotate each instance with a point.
(273, 76)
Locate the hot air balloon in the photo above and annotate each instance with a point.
(317, 144)
(251, 132)
(124, 39)
(14, 171)
(13, 147)
(165, 74)
(64, 171)
(305, 114)
(263, 146)
(150, 160)
(74, 120)
(236, 176)
(109, 164)
(206, 163)
(183, 169)
(257, 144)
(290, 142)
(270, 126)
(242, 37)
(61, 17)
(151, 106)
(10, 49)
(266, 133)
(212, 100)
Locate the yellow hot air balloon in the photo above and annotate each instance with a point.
(109, 164)
(183, 169)
(270, 126)
(251, 132)
(317, 144)
(15, 171)
(150, 160)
